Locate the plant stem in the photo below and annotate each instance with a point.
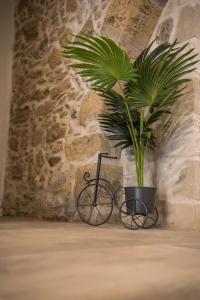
(138, 148)
(141, 150)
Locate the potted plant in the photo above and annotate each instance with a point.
(146, 90)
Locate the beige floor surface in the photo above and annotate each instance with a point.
(65, 261)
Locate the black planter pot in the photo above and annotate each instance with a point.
(141, 200)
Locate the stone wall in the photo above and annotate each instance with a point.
(175, 166)
(178, 160)
(54, 136)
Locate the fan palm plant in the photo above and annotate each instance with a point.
(147, 88)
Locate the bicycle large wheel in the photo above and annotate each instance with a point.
(91, 213)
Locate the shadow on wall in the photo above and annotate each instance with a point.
(177, 145)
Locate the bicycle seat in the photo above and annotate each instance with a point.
(106, 155)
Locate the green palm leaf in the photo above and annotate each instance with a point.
(114, 122)
(161, 72)
(103, 63)
(152, 84)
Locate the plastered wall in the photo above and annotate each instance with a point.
(6, 53)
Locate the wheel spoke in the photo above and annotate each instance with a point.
(86, 209)
(100, 212)
(126, 216)
(90, 215)
(151, 219)
(140, 222)
(131, 222)
(135, 218)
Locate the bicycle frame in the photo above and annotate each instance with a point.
(98, 178)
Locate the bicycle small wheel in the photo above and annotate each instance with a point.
(151, 220)
(129, 218)
(119, 197)
(90, 213)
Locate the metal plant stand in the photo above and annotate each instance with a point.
(96, 201)
(133, 219)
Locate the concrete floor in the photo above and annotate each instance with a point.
(55, 261)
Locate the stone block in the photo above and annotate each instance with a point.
(66, 37)
(13, 143)
(188, 184)
(160, 3)
(91, 106)
(88, 27)
(141, 20)
(86, 146)
(164, 31)
(178, 179)
(184, 216)
(17, 171)
(60, 89)
(54, 134)
(22, 115)
(52, 205)
(37, 73)
(175, 136)
(194, 94)
(9, 204)
(71, 6)
(37, 135)
(57, 181)
(45, 108)
(55, 58)
(31, 30)
(39, 160)
(39, 94)
(56, 147)
(53, 161)
(187, 24)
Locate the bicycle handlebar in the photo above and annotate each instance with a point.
(107, 156)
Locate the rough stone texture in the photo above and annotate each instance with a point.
(66, 37)
(187, 25)
(165, 31)
(109, 172)
(131, 23)
(71, 6)
(53, 117)
(85, 147)
(91, 106)
(45, 108)
(53, 161)
(54, 134)
(188, 184)
(37, 137)
(31, 30)
(55, 58)
(178, 156)
(184, 216)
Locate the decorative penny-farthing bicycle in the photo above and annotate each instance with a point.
(96, 201)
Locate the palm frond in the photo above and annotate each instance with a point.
(114, 120)
(103, 63)
(161, 72)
